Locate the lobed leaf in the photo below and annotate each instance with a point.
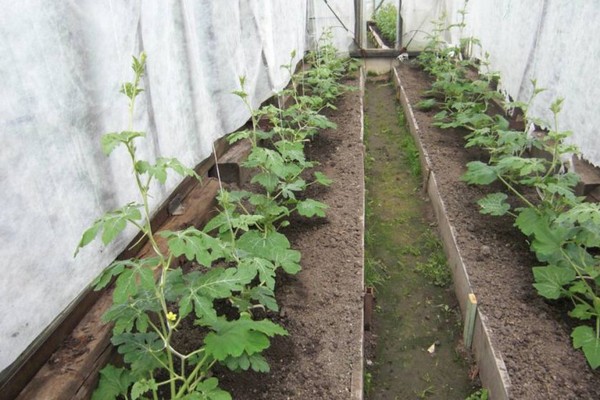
(114, 382)
(586, 338)
(262, 267)
(494, 204)
(322, 179)
(143, 351)
(208, 389)
(111, 140)
(233, 338)
(111, 224)
(550, 280)
(256, 362)
(143, 386)
(195, 245)
(310, 208)
(479, 173)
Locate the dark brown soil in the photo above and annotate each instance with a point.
(321, 307)
(532, 335)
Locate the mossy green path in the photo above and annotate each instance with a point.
(416, 321)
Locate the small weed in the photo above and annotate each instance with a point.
(410, 250)
(426, 105)
(431, 241)
(407, 143)
(375, 272)
(426, 378)
(368, 382)
(481, 394)
(412, 155)
(423, 394)
(435, 270)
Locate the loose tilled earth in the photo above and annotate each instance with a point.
(321, 307)
(532, 335)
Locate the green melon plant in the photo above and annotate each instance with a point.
(562, 229)
(152, 298)
(230, 265)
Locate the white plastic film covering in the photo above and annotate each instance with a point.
(336, 16)
(62, 63)
(550, 41)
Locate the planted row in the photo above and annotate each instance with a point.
(231, 263)
(563, 230)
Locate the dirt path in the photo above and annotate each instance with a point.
(412, 312)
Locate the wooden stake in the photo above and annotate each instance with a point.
(470, 320)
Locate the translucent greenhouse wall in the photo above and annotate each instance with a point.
(61, 67)
(336, 17)
(554, 42)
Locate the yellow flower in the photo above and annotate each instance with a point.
(171, 316)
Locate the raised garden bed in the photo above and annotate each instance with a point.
(528, 335)
(321, 307)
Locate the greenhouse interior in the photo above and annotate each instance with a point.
(308, 199)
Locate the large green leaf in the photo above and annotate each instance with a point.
(585, 218)
(268, 180)
(527, 220)
(202, 306)
(111, 224)
(310, 208)
(113, 383)
(288, 189)
(134, 311)
(262, 244)
(208, 389)
(586, 338)
(289, 260)
(160, 168)
(581, 213)
(582, 311)
(494, 204)
(233, 338)
(143, 351)
(142, 386)
(479, 173)
(550, 280)
(262, 267)
(110, 141)
(244, 362)
(218, 283)
(195, 245)
(522, 166)
(265, 296)
(322, 179)
(136, 276)
(547, 242)
(291, 150)
(273, 246)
